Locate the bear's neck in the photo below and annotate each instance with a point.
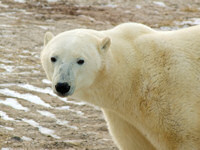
(114, 86)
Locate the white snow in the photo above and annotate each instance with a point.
(46, 81)
(58, 121)
(1, 46)
(111, 5)
(9, 15)
(8, 68)
(45, 27)
(6, 61)
(50, 1)
(161, 4)
(22, 56)
(5, 26)
(41, 90)
(36, 89)
(47, 114)
(138, 6)
(28, 97)
(42, 129)
(4, 116)
(35, 99)
(5, 148)
(68, 108)
(26, 138)
(7, 128)
(14, 104)
(167, 28)
(23, 11)
(20, 1)
(48, 91)
(70, 102)
(193, 21)
(3, 5)
(66, 123)
(63, 108)
(7, 36)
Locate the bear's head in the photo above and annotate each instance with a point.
(72, 59)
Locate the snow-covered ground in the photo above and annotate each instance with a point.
(31, 115)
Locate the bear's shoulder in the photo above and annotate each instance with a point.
(129, 30)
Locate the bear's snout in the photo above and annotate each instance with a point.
(62, 88)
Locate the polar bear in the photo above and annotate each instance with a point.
(146, 82)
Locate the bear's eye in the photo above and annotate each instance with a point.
(53, 59)
(80, 62)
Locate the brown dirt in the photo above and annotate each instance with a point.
(22, 26)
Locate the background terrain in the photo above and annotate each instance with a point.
(31, 116)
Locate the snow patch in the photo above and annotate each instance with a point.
(14, 104)
(41, 90)
(28, 97)
(193, 21)
(161, 4)
(5, 25)
(5, 148)
(7, 67)
(138, 6)
(48, 91)
(3, 5)
(6, 61)
(111, 5)
(7, 35)
(20, 1)
(58, 121)
(7, 128)
(9, 15)
(26, 138)
(45, 27)
(47, 114)
(4, 116)
(68, 108)
(42, 129)
(52, 1)
(46, 81)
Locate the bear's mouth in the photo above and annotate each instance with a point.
(63, 95)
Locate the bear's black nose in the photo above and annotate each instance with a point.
(62, 88)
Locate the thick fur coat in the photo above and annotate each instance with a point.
(147, 82)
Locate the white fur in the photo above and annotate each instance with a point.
(147, 82)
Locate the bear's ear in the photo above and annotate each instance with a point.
(105, 44)
(48, 36)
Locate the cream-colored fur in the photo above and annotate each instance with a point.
(147, 82)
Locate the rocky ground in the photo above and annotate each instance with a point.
(31, 115)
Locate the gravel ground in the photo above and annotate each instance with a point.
(31, 116)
